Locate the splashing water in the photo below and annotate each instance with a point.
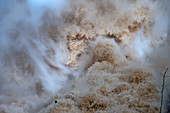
(82, 53)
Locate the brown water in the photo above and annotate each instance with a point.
(83, 56)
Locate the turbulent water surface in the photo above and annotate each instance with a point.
(84, 56)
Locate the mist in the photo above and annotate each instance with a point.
(74, 51)
(32, 64)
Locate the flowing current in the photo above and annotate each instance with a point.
(83, 56)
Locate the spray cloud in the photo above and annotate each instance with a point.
(42, 42)
(31, 63)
